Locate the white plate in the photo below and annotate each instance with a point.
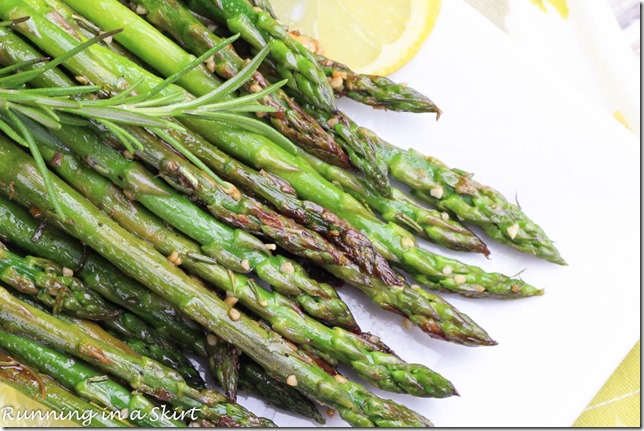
(576, 173)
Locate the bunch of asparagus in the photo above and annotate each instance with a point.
(163, 198)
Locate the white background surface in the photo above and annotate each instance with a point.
(576, 172)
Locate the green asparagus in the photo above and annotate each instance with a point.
(429, 312)
(144, 340)
(317, 299)
(85, 381)
(377, 91)
(436, 226)
(49, 393)
(373, 90)
(17, 226)
(455, 192)
(223, 364)
(171, 16)
(193, 181)
(222, 241)
(53, 286)
(137, 259)
(255, 380)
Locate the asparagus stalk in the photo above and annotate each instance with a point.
(172, 17)
(50, 394)
(455, 192)
(265, 384)
(223, 364)
(266, 6)
(373, 90)
(360, 146)
(137, 259)
(120, 335)
(391, 240)
(255, 380)
(372, 362)
(431, 181)
(242, 251)
(144, 340)
(96, 272)
(85, 381)
(53, 286)
(143, 374)
(228, 204)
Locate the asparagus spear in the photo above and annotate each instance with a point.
(374, 90)
(255, 380)
(172, 17)
(392, 241)
(258, 382)
(20, 228)
(428, 177)
(133, 336)
(354, 403)
(226, 202)
(53, 286)
(266, 6)
(223, 364)
(50, 394)
(144, 340)
(97, 273)
(455, 192)
(85, 381)
(373, 362)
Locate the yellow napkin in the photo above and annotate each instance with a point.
(618, 402)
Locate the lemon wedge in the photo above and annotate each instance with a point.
(370, 36)
(13, 401)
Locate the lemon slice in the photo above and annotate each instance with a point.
(12, 402)
(370, 36)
